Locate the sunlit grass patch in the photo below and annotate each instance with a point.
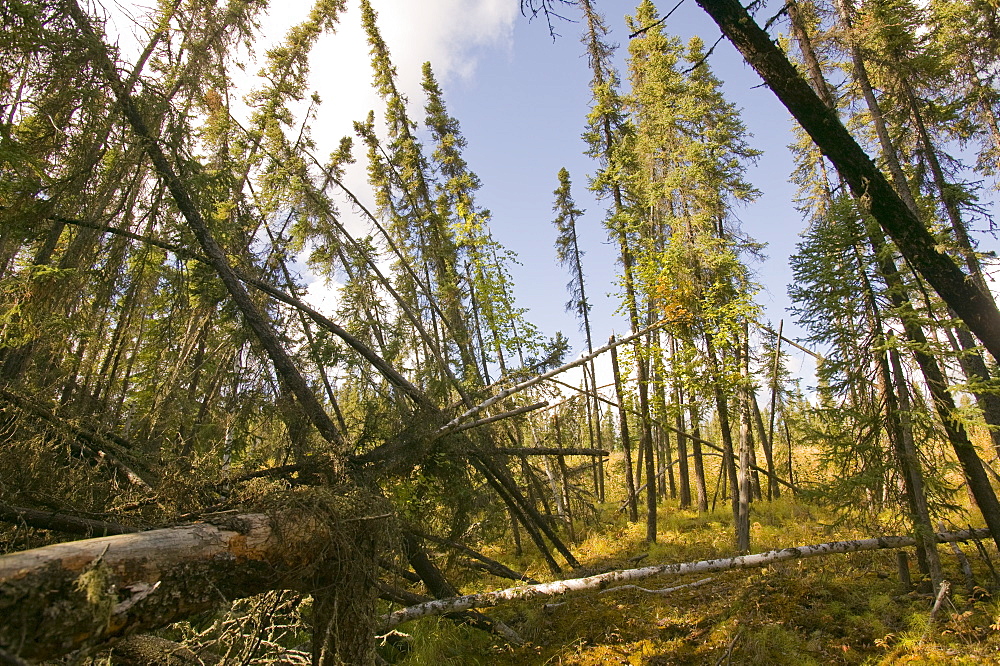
(841, 609)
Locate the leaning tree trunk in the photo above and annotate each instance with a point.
(633, 508)
(976, 308)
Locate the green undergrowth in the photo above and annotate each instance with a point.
(838, 609)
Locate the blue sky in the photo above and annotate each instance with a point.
(523, 114)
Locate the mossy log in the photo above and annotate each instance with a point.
(80, 594)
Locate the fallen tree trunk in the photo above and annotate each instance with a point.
(92, 445)
(80, 594)
(601, 581)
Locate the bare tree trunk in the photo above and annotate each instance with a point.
(743, 474)
(728, 469)
(758, 421)
(773, 489)
(701, 491)
(683, 472)
(633, 508)
(568, 511)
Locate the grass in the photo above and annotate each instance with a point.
(840, 609)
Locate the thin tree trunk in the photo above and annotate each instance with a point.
(633, 508)
(743, 474)
(568, 511)
(682, 451)
(758, 421)
(895, 429)
(922, 520)
(773, 489)
(728, 469)
(788, 440)
(701, 490)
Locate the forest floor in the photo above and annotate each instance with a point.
(837, 609)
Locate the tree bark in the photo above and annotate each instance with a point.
(701, 491)
(743, 470)
(549, 451)
(683, 473)
(773, 489)
(61, 522)
(216, 256)
(728, 470)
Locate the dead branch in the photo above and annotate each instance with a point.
(469, 618)
(499, 417)
(60, 522)
(667, 426)
(490, 565)
(452, 425)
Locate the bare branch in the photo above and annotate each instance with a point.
(452, 425)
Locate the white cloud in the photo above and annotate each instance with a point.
(452, 34)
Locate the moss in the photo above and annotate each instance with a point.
(774, 645)
(832, 610)
(99, 591)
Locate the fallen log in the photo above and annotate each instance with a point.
(602, 581)
(81, 594)
(472, 619)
